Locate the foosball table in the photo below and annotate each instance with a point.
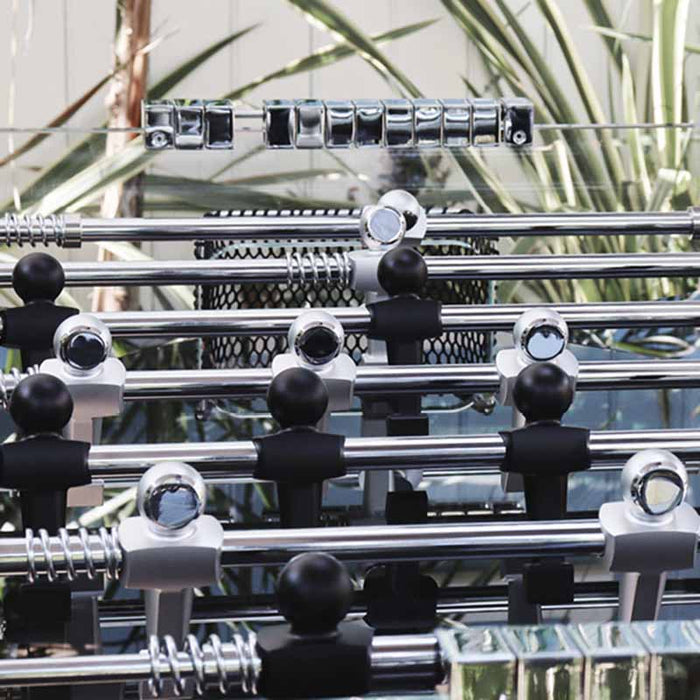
(340, 343)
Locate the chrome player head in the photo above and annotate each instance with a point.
(654, 483)
(396, 215)
(316, 338)
(83, 342)
(540, 335)
(171, 495)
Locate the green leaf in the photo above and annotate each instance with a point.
(184, 70)
(629, 106)
(565, 178)
(599, 13)
(240, 158)
(91, 149)
(666, 183)
(205, 195)
(525, 245)
(284, 177)
(73, 107)
(587, 94)
(634, 36)
(90, 182)
(486, 186)
(320, 11)
(201, 195)
(178, 296)
(61, 119)
(670, 24)
(549, 99)
(324, 56)
(546, 186)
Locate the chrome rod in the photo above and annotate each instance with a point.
(466, 454)
(407, 660)
(57, 556)
(425, 379)
(71, 230)
(345, 225)
(78, 670)
(195, 384)
(230, 611)
(457, 267)
(459, 317)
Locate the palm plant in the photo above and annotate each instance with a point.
(573, 169)
(568, 170)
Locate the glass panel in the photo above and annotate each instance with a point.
(550, 667)
(675, 658)
(480, 664)
(616, 663)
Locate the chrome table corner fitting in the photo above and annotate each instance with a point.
(580, 661)
(158, 122)
(518, 120)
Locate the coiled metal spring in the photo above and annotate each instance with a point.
(208, 664)
(72, 555)
(9, 380)
(315, 268)
(33, 229)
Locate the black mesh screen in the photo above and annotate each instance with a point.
(258, 351)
